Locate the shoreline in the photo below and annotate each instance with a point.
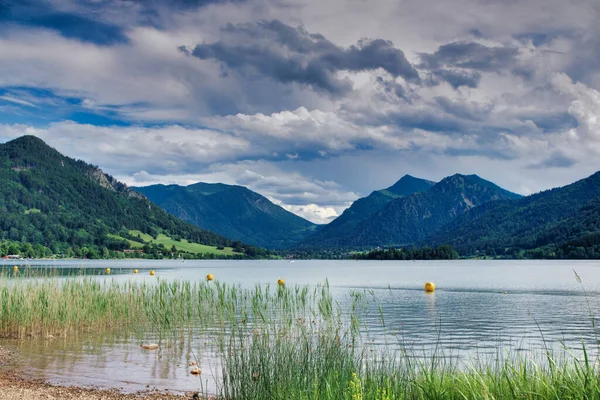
(15, 385)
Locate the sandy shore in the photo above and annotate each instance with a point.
(14, 386)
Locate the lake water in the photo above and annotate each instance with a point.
(480, 309)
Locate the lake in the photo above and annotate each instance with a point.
(480, 309)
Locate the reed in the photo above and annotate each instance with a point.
(280, 342)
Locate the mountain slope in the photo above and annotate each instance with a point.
(58, 202)
(335, 233)
(550, 217)
(409, 219)
(232, 211)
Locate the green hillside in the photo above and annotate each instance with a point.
(232, 211)
(71, 207)
(167, 242)
(561, 217)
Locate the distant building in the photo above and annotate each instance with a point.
(13, 257)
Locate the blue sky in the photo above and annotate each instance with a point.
(310, 103)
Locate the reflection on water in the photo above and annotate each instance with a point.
(119, 362)
(479, 310)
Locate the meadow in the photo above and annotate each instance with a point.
(181, 245)
(282, 342)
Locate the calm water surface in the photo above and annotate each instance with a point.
(480, 309)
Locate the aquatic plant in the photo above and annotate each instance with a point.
(284, 342)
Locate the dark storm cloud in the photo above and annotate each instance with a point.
(461, 63)
(42, 14)
(556, 160)
(468, 111)
(457, 78)
(540, 38)
(554, 122)
(471, 55)
(292, 55)
(395, 88)
(428, 121)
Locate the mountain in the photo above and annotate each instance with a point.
(553, 217)
(232, 211)
(64, 204)
(335, 233)
(408, 219)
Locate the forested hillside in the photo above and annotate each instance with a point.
(59, 205)
(233, 211)
(547, 221)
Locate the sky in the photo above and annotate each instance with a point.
(311, 103)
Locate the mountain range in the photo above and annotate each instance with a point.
(71, 207)
(339, 231)
(553, 217)
(232, 211)
(475, 217)
(416, 210)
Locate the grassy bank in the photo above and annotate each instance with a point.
(283, 342)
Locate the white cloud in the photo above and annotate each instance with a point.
(17, 101)
(585, 107)
(314, 213)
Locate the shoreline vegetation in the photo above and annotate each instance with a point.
(142, 250)
(280, 342)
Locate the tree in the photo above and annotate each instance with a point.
(14, 249)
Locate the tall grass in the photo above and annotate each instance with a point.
(283, 342)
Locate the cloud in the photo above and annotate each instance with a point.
(456, 77)
(314, 213)
(16, 100)
(471, 55)
(42, 14)
(125, 150)
(286, 54)
(556, 160)
(584, 107)
(461, 63)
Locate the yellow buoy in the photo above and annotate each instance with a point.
(429, 287)
(196, 371)
(135, 271)
(108, 270)
(281, 282)
(15, 268)
(210, 277)
(152, 272)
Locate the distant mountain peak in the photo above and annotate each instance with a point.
(233, 211)
(33, 144)
(28, 139)
(408, 185)
(460, 181)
